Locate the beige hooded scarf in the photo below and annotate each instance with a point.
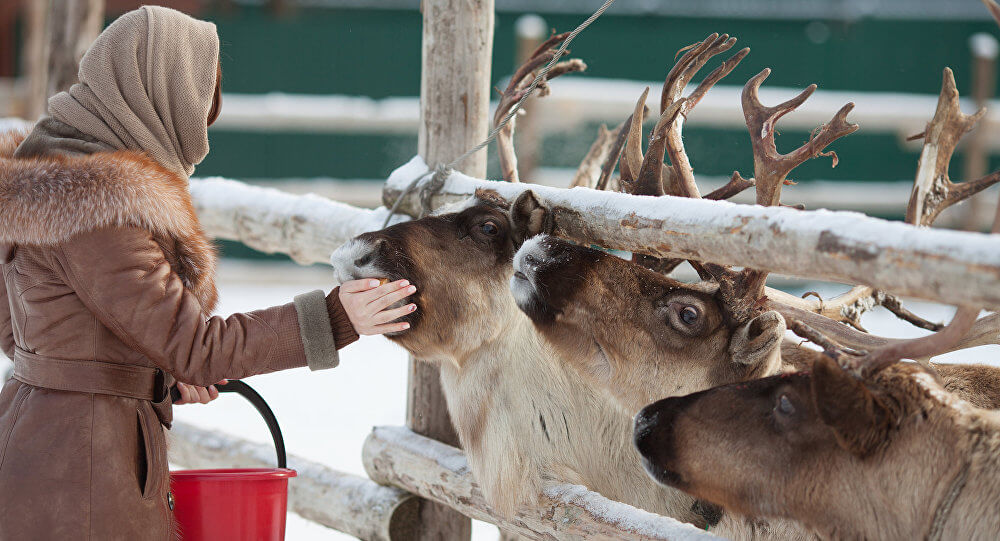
(146, 84)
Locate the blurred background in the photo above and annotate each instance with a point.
(322, 96)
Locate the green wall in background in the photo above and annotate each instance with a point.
(377, 53)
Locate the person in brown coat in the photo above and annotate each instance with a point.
(108, 285)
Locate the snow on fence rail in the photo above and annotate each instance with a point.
(576, 101)
(939, 265)
(439, 472)
(952, 267)
(347, 503)
(308, 228)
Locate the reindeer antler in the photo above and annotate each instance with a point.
(744, 289)
(933, 191)
(771, 168)
(682, 174)
(518, 86)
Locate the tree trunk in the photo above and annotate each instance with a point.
(59, 33)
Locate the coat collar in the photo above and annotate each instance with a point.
(46, 200)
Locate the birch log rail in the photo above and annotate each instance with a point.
(938, 265)
(439, 472)
(308, 228)
(344, 502)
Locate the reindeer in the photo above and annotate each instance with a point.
(629, 330)
(620, 324)
(897, 455)
(858, 435)
(521, 418)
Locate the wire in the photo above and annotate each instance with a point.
(441, 173)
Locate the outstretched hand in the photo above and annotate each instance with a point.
(368, 305)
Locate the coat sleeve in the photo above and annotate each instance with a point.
(123, 277)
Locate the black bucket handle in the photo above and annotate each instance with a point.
(246, 391)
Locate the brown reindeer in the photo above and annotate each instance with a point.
(641, 336)
(620, 325)
(894, 456)
(521, 419)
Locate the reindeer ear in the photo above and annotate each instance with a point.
(848, 407)
(757, 343)
(528, 217)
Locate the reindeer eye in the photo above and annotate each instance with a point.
(689, 315)
(784, 405)
(489, 229)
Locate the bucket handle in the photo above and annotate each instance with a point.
(246, 391)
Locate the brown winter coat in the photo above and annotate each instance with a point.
(107, 285)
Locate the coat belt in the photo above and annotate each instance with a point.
(86, 376)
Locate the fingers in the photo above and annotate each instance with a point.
(357, 286)
(374, 294)
(388, 300)
(390, 327)
(203, 396)
(192, 394)
(366, 309)
(185, 394)
(386, 316)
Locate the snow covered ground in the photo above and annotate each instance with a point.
(326, 415)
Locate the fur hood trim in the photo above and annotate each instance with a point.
(47, 200)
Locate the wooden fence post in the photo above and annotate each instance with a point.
(454, 116)
(530, 31)
(977, 156)
(58, 33)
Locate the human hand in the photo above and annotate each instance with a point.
(367, 305)
(192, 394)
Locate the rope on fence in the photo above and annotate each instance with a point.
(441, 172)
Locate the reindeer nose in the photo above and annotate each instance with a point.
(531, 261)
(378, 247)
(642, 431)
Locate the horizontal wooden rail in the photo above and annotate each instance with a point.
(347, 503)
(308, 228)
(939, 265)
(399, 457)
(576, 102)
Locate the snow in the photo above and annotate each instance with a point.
(576, 101)
(319, 113)
(983, 45)
(892, 247)
(344, 220)
(445, 456)
(530, 26)
(306, 227)
(625, 516)
(10, 123)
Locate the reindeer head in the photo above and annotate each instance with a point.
(635, 332)
(460, 261)
(763, 447)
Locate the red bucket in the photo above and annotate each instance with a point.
(232, 504)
